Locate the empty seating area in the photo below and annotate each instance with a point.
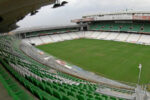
(45, 39)
(65, 36)
(42, 81)
(95, 35)
(112, 36)
(103, 35)
(73, 35)
(134, 38)
(36, 41)
(137, 27)
(123, 37)
(53, 38)
(15, 91)
(56, 38)
(49, 32)
(145, 39)
(116, 36)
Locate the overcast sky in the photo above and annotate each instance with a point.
(77, 8)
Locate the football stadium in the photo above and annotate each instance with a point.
(102, 57)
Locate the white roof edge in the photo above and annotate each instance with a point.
(32, 29)
(121, 12)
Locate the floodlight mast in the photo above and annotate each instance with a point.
(140, 68)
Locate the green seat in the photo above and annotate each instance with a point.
(49, 90)
(71, 93)
(57, 94)
(81, 97)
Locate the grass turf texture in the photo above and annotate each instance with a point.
(114, 60)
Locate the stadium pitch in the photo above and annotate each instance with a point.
(111, 59)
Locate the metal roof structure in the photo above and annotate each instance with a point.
(120, 13)
(36, 29)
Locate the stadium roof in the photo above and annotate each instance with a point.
(121, 12)
(34, 29)
(11, 11)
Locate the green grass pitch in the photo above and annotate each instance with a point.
(114, 60)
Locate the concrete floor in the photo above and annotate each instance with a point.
(3, 93)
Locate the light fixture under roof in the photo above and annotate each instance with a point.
(56, 5)
(33, 12)
(63, 3)
(59, 4)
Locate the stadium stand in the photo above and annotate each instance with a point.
(74, 36)
(36, 41)
(112, 36)
(56, 38)
(80, 34)
(116, 36)
(65, 36)
(122, 36)
(45, 39)
(40, 80)
(145, 39)
(95, 35)
(88, 34)
(121, 27)
(49, 32)
(103, 35)
(14, 90)
(27, 40)
(133, 38)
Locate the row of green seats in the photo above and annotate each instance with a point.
(121, 27)
(58, 90)
(81, 85)
(70, 91)
(118, 90)
(12, 87)
(51, 90)
(70, 77)
(42, 95)
(54, 90)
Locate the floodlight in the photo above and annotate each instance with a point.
(56, 5)
(33, 13)
(63, 3)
